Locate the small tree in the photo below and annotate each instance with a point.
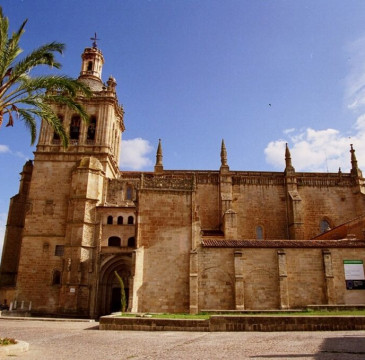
(27, 97)
(122, 293)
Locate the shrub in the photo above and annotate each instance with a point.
(7, 341)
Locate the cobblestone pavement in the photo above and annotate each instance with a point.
(56, 340)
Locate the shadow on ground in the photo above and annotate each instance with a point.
(333, 348)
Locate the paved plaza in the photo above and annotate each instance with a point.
(56, 340)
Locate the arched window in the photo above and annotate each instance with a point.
(129, 193)
(89, 66)
(259, 233)
(114, 241)
(110, 220)
(131, 242)
(120, 220)
(56, 277)
(75, 127)
(130, 220)
(91, 129)
(324, 226)
(56, 137)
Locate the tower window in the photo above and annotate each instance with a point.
(90, 66)
(130, 220)
(324, 226)
(259, 233)
(120, 220)
(91, 129)
(114, 241)
(129, 193)
(75, 127)
(131, 242)
(110, 220)
(59, 250)
(55, 135)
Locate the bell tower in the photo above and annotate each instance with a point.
(92, 63)
(101, 137)
(60, 229)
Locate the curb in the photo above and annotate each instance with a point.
(223, 323)
(44, 319)
(15, 349)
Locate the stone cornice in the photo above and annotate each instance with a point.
(214, 243)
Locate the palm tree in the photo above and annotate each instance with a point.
(30, 98)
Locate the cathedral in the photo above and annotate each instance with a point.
(183, 241)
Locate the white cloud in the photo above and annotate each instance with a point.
(288, 131)
(134, 154)
(3, 218)
(319, 150)
(4, 149)
(355, 81)
(328, 149)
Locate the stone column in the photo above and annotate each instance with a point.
(283, 280)
(230, 225)
(328, 273)
(238, 281)
(193, 283)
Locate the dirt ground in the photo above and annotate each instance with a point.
(82, 340)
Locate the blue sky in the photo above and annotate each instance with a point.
(257, 73)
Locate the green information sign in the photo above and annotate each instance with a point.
(354, 274)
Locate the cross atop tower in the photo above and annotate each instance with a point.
(95, 45)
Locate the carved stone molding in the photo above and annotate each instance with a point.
(167, 183)
(258, 180)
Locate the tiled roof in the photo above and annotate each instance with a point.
(217, 243)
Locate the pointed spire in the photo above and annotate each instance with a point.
(224, 165)
(159, 165)
(287, 156)
(354, 167)
(223, 154)
(288, 164)
(353, 158)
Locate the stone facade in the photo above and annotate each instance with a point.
(182, 241)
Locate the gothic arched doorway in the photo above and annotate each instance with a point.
(109, 294)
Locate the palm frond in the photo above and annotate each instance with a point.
(30, 123)
(11, 121)
(29, 98)
(9, 47)
(52, 83)
(44, 55)
(4, 27)
(42, 110)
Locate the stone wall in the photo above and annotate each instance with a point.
(207, 198)
(258, 205)
(216, 279)
(45, 227)
(341, 295)
(300, 280)
(165, 233)
(36, 274)
(337, 205)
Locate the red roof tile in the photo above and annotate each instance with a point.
(217, 243)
